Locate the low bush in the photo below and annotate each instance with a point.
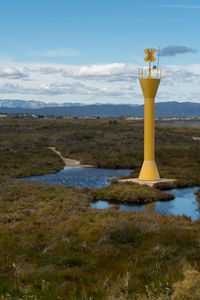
(54, 246)
(129, 192)
(127, 233)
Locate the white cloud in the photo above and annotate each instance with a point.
(13, 73)
(108, 72)
(48, 70)
(178, 74)
(113, 83)
(56, 53)
(57, 88)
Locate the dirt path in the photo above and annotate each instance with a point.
(69, 162)
(195, 138)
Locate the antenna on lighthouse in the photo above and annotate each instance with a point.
(158, 57)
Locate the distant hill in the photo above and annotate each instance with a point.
(177, 109)
(33, 103)
(163, 109)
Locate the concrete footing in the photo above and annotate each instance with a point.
(147, 182)
(149, 171)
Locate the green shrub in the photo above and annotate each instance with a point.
(127, 233)
(129, 192)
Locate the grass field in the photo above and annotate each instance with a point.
(53, 246)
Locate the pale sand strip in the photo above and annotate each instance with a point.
(195, 138)
(147, 182)
(69, 162)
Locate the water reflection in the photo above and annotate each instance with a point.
(184, 204)
(81, 177)
(172, 123)
(179, 123)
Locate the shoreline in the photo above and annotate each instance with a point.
(150, 183)
(69, 163)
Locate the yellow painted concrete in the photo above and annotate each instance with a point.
(149, 170)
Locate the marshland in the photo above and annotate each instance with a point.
(55, 246)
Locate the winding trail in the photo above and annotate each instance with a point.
(195, 138)
(70, 163)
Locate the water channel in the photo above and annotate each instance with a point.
(184, 202)
(172, 123)
(81, 177)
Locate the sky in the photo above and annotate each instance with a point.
(89, 51)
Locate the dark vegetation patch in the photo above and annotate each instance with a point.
(127, 234)
(129, 192)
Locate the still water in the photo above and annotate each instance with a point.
(81, 177)
(184, 204)
(172, 123)
(179, 123)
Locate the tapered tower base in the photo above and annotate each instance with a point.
(149, 171)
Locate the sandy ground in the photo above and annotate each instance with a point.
(195, 138)
(147, 182)
(69, 162)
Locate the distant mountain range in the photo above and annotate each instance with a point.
(162, 109)
(33, 103)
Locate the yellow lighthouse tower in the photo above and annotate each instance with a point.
(149, 87)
